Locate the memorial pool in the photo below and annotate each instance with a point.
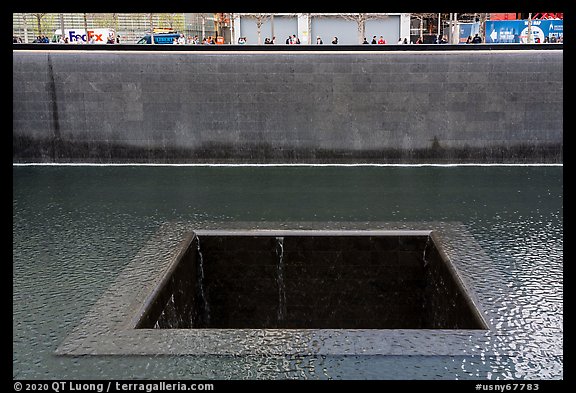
(76, 228)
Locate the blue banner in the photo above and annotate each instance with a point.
(507, 31)
(467, 30)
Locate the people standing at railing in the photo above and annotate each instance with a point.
(381, 41)
(335, 41)
(319, 40)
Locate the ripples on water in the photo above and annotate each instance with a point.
(76, 228)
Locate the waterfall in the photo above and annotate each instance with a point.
(203, 299)
(280, 280)
(425, 248)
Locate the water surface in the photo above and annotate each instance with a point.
(76, 228)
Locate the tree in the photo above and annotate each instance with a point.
(175, 21)
(85, 17)
(361, 19)
(260, 20)
(39, 18)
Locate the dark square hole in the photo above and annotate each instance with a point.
(311, 280)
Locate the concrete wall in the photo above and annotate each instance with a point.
(424, 106)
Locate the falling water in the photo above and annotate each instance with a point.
(280, 279)
(201, 283)
(424, 254)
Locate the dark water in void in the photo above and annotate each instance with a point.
(76, 228)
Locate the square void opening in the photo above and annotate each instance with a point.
(311, 280)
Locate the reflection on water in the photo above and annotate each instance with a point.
(76, 228)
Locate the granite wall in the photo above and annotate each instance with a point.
(258, 107)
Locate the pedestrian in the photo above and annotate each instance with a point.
(335, 41)
(295, 39)
(289, 40)
(175, 41)
(181, 39)
(399, 41)
(405, 41)
(381, 40)
(469, 39)
(374, 42)
(273, 40)
(117, 38)
(365, 41)
(319, 40)
(419, 40)
(476, 39)
(266, 41)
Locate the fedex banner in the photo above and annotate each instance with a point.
(79, 35)
(507, 31)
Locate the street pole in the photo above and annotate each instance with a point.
(529, 38)
(455, 34)
(203, 27)
(25, 28)
(151, 29)
(450, 28)
(438, 28)
(421, 29)
(309, 27)
(231, 16)
(272, 26)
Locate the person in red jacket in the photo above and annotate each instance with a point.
(381, 40)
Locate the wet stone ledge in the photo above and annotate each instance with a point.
(303, 289)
